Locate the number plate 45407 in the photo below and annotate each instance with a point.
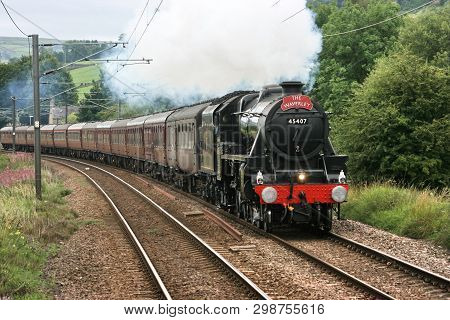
(297, 121)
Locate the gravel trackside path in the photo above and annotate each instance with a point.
(98, 261)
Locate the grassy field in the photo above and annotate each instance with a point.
(418, 214)
(85, 74)
(29, 229)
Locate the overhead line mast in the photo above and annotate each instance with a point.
(37, 117)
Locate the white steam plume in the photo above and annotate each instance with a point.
(212, 47)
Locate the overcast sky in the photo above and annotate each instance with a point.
(72, 19)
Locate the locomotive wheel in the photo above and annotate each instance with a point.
(237, 204)
(327, 218)
(217, 197)
(266, 225)
(256, 217)
(245, 211)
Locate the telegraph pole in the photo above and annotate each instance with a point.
(14, 123)
(67, 109)
(37, 117)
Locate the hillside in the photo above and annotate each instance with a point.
(85, 72)
(12, 47)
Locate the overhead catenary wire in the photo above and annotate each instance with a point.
(34, 24)
(70, 43)
(139, 20)
(76, 61)
(136, 45)
(146, 61)
(9, 15)
(146, 27)
(135, 28)
(114, 75)
(290, 17)
(380, 22)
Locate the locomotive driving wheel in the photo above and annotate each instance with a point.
(238, 204)
(326, 215)
(267, 221)
(256, 217)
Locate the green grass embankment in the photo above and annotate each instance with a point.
(30, 230)
(418, 214)
(85, 74)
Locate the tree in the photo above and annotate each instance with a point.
(98, 96)
(398, 124)
(72, 118)
(73, 50)
(323, 9)
(57, 82)
(409, 4)
(12, 83)
(427, 34)
(346, 60)
(15, 80)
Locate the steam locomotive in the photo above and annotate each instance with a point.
(265, 156)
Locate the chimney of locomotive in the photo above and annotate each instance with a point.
(292, 87)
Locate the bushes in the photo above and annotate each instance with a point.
(20, 270)
(419, 214)
(389, 92)
(4, 162)
(398, 125)
(347, 60)
(29, 231)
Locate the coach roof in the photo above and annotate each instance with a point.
(105, 124)
(188, 112)
(48, 127)
(137, 121)
(77, 126)
(159, 117)
(22, 128)
(120, 124)
(91, 125)
(62, 127)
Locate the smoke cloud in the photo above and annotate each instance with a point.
(208, 48)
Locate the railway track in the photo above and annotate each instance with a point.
(189, 268)
(421, 273)
(370, 291)
(403, 281)
(160, 291)
(395, 278)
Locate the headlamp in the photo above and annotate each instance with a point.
(301, 176)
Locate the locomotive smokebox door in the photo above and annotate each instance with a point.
(295, 129)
